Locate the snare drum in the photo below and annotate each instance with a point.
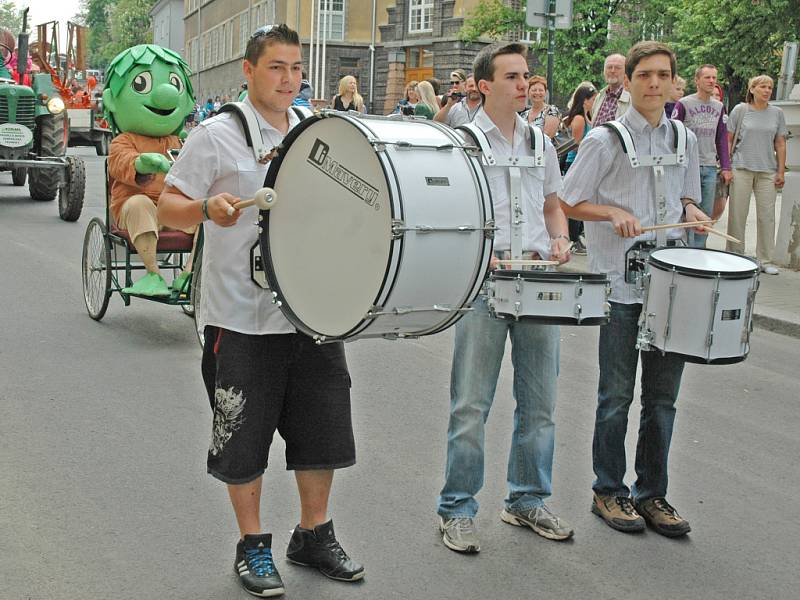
(550, 297)
(698, 303)
(382, 227)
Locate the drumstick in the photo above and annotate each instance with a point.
(730, 238)
(529, 263)
(671, 225)
(264, 199)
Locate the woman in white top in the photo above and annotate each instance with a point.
(758, 157)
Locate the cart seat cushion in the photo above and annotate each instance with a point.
(168, 241)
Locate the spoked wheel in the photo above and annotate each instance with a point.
(195, 293)
(96, 269)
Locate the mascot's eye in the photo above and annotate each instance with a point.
(143, 82)
(176, 81)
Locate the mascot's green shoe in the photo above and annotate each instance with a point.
(181, 282)
(151, 284)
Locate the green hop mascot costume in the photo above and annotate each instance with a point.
(147, 98)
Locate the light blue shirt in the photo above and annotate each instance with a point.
(602, 174)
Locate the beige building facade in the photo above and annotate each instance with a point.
(414, 40)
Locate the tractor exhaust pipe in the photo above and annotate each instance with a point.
(22, 47)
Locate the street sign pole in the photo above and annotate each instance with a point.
(551, 45)
(552, 15)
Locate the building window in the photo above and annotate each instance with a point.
(420, 13)
(333, 10)
(244, 31)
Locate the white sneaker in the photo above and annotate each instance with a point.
(770, 270)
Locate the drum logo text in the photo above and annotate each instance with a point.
(347, 179)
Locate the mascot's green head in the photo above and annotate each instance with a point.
(148, 91)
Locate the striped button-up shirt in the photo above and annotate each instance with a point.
(602, 175)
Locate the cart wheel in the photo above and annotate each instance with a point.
(96, 269)
(195, 291)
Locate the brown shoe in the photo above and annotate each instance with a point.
(663, 518)
(618, 512)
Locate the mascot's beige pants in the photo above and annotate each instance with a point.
(139, 216)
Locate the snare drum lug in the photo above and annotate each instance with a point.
(578, 313)
(488, 229)
(579, 288)
(517, 307)
(260, 229)
(260, 218)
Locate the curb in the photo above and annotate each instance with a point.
(776, 324)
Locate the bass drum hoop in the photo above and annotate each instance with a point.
(264, 240)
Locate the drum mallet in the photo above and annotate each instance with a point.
(264, 199)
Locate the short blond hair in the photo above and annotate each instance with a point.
(756, 81)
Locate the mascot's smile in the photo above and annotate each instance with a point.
(160, 111)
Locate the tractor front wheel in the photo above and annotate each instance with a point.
(49, 142)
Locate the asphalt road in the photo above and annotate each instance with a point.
(104, 428)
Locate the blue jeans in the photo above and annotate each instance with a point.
(479, 346)
(661, 379)
(708, 188)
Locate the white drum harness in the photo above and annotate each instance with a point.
(515, 165)
(262, 154)
(657, 162)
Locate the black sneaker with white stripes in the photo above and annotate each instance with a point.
(255, 567)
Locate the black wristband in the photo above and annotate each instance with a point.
(204, 208)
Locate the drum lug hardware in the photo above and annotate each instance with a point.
(578, 313)
(673, 288)
(714, 304)
(398, 229)
(379, 311)
(260, 229)
(260, 218)
(489, 228)
(275, 300)
(517, 307)
(579, 288)
(518, 285)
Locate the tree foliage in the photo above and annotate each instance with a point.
(580, 51)
(115, 25)
(10, 16)
(742, 37)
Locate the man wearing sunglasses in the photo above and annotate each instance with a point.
(260, 373)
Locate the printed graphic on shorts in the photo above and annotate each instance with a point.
(228, 417)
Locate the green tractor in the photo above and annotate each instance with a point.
(34, 133)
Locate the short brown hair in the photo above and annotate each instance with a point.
(483, 67)
(537, 79)
(266, 36)
(699, 69)
(642, 50)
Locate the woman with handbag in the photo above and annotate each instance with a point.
(758, 156)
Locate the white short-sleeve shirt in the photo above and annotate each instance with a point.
(216, 159)
(537, 183)
(602, 174)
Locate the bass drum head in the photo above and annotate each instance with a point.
(701, 261)
(329, 233)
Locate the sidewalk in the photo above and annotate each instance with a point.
(778, 298)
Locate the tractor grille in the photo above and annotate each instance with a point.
(25, 108)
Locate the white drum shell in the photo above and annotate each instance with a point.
(428, 276)
(568, 299)
(710, 317)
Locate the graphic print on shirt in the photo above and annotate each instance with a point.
(228, 408)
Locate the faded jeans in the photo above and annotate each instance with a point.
(479, 346)
(661, 378)
(708, 189)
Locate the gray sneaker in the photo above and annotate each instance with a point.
(541, 520)
(459, 534)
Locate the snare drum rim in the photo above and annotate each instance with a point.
(661, 265)
(548, 276)
(396, 245)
